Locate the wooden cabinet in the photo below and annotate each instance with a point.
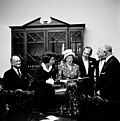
(31, 40)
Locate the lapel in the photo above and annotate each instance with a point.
(97, 68)
(92, 65)
(15, 73)
(89, 65)
(83, 67)
(105, 66)
(107, 63)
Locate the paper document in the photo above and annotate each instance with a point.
(65, 81)
(61, 90)
(50, 118)
(80, 78)
(46, 120)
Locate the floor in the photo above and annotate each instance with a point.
(33, 116)
(91, 114)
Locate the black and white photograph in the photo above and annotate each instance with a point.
(59, 60)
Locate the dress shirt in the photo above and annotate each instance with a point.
(86, 64)
(18, 73)
(101, 63)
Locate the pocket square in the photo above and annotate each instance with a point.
(92, 66)
(103, 73)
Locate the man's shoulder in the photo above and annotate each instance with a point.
(9, 70)
(114, 61)
(115, 58)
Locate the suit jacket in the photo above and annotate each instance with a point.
(108, 81)
(88, 84)
(12, 81)
(91, 69)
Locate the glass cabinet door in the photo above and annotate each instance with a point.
(55, 41)
(76, 41)
(35, 48)
(18, 44)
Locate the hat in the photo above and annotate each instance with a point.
(68, 52)
(47, 56)
(49, 53)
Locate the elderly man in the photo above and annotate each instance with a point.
(15, 80)
(108, 79)
(15, 77)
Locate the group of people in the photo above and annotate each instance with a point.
(84, 74)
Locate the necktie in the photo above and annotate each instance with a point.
(104, 64)
(19, 74)
(103, 68)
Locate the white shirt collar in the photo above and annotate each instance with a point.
(45, 68)
(16, 70)
(86, 64)
(101, 63)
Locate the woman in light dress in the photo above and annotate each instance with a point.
(70, 71)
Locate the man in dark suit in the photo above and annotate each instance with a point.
(87, 66)
(99, 65)
(108, 80)
(15, 80)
